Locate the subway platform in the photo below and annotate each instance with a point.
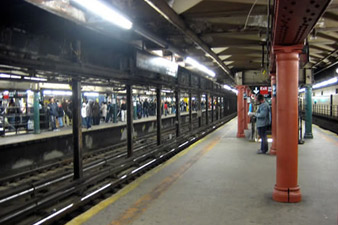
(221, 180)
(67, 130)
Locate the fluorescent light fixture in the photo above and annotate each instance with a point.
(227, 87)
(326, 83)
(301, 90)
(15, 77)
(105, 12)
(8, 76)
(200, 67)
(91, 94)
(167, 91)
(235, 91)
(337, 70)
(35, 78)
(5, 76)
(57, 92)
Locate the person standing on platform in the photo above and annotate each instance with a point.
(96, 112)
(123, 111)
(110, 112)
(89, 114)
(53, 113)
(104, 111)
(146, 108)
(262, 122)
(84, 114)
(60, 115)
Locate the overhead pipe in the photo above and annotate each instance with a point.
(170, 15)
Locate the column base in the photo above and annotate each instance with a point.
(289, 195)
(308, 136)
(240, 135)
(273, 151)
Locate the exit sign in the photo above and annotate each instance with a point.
(264, 90)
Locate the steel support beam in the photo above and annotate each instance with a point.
(77, 130)
(212, 109)
(36, 113)
(206, 109)
(178, 113)
(217, 108)
(158, 115)
(199, 113)
(190, 111)
(129, 120)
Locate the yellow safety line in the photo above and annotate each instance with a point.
(128, 188)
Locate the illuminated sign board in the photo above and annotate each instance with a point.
(156, 64)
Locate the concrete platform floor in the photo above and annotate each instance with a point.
(221, 180)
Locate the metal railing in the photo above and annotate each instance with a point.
(325, 110)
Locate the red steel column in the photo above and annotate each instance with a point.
(287, 67)
(273, 149)
(240, 111)
(246, 108)
(248, 94)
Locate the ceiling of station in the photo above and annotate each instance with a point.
(235, 30)
(227, 36)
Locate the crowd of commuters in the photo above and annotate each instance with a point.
(57, 113)
(60, 113)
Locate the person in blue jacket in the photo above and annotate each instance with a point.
(262, 123)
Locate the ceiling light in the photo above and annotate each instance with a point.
(200, 67)
(57, 92)
(91, 94)
(35, 78)
(227, 87)
(8, 76)
(337, 70)
(325, 83)
(105, 12)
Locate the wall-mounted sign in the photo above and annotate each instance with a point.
(156, 64)
(263, 90)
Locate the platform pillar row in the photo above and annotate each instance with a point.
(287, 68)
(240, 111)
(308, 111)
(77, 130)
(273, 149)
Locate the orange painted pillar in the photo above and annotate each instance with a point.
(246, 108)
(287, 67)
(248, 94)
(273, 149)
(240, 111)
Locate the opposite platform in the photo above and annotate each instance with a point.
(221, 180)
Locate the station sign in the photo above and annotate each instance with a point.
(263, 90)
(156, 64)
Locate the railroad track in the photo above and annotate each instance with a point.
(46, 200)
